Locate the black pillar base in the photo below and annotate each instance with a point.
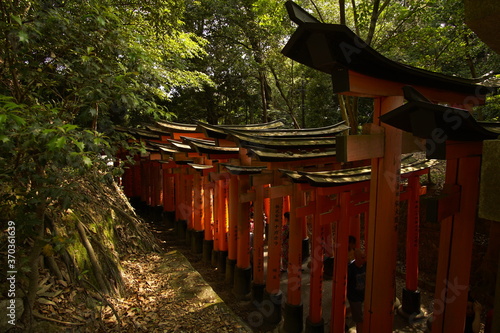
(328, 268)
(189, 236)
(197, 241)
(181, 229)
(208, 246)
(306, 253)
(214, 258)
(258, 292)
(230, 265)
(242, 283)
(271, 307)
(410, 307)
(293, 318)
(315, 327)
(221, 262)
(169, 219)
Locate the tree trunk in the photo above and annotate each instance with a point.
(33, 274)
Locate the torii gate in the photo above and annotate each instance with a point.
(358, 70)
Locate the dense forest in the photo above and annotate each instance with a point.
(71, 70)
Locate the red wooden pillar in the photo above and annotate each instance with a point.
(150, 183)
(155, 183)
(208, 213)
(128, 179)
(273, 295)
(198, 233)
(243, 271)
(455, 248)
(215, 209)
(411, 295)
(315, 321)
(232, 233)
(258, 244)
(382, 232)
(294, 309)
(168, 190)
(337, 323)
(329, 252)
(189, 199)
(179, 194)
(355, 228)
(267, 212)
(220, 236)
(145, 181)
(137, 187)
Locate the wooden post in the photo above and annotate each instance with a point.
(329, 252)
(155, 184)
(168, 190)
(258, 244)
(221, 224)
(243, 271)
(337, 323)
(145, 181)
(315, 320)
(137, 187)
(382, 232)
(208, 235)
(455, 255)
(411, 295)
(294, 309)
(355, 228)
(273, 295)
(232, 239)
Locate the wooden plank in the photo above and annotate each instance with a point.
(359, 147)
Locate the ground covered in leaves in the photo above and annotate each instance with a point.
(164, 294)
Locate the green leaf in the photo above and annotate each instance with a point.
(87, 161)
(23, 36)
(57, 143)
(17, 19)
(20, 121)
(80, 145)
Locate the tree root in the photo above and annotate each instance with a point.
(39, 316)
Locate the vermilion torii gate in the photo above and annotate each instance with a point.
(358, 70)
(235, 166)
(259, 178)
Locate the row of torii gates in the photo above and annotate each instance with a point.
(208, 185)
(209, 176)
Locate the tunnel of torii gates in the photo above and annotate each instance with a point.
(209, 177)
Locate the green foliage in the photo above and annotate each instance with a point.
(42, 156)
(97, 59)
